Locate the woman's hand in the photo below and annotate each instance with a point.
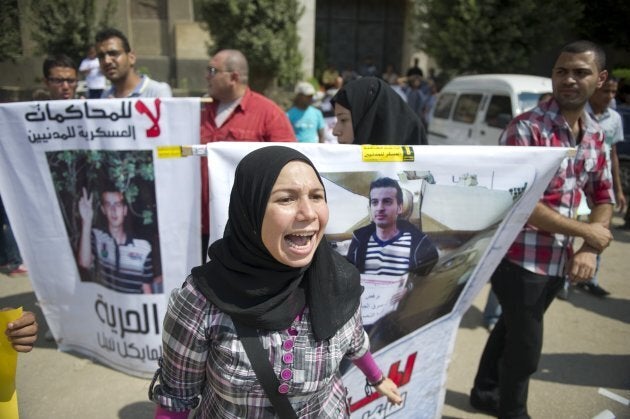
(389, 389)
(22, 332)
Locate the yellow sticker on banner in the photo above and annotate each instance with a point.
(8, 365)
(387, 153)
(169, 151)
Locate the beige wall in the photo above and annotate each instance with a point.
(306, 30)
(172, 49)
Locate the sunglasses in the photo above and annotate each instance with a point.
(212, 71)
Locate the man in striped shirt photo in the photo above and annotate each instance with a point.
(116, 260)
(387, 250)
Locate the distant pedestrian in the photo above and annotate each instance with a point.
(307, 120)
(90, 68)
(390, 75)
(610, 121)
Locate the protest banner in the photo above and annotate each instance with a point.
(104, 225)
(470, 202)
(73, 172)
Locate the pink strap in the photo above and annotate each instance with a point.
(368, 366)
(162, 413)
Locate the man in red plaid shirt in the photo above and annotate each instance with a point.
(534, 268)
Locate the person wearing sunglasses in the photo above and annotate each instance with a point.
(236, 113)
(60, 77)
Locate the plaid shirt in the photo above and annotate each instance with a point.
(204, 357)
(540, 251)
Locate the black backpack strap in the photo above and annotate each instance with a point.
(259, 359)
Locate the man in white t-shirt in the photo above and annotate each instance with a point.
(118, 64)
(94, 78)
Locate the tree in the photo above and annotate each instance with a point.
(606, 22)
(483, 36)
(264, 30)
(10, 42)
(67, 26)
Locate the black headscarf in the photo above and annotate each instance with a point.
(245, 281)
(379, 114)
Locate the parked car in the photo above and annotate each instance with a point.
(474, 110)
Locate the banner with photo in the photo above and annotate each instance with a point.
(456, 209)
(105, 226)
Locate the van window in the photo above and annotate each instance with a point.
(499, 111)
(444, 105)
(466, 108)
(528, 100)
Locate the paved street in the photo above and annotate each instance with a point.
(586, 353)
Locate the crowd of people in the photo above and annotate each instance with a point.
(273, 279)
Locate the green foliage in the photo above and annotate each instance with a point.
(143, 70)
(10, 42)
(130, 171)
(606, 22)
(621, 73)
(67, 26)
(484, 36)
(264, 30)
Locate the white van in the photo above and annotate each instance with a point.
(474, 110)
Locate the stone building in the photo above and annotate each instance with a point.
(172, 45)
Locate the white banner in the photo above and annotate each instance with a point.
(105, 227)
(469, 201)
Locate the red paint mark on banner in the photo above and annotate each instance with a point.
(399, 377)
(154, 130)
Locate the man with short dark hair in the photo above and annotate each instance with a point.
(118, 62)
(390, 247)
(533, 270)
(60, 77)
(236, 114)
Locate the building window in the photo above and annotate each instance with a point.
(148, 9)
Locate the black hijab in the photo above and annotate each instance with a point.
(244, 280)
(379, 114)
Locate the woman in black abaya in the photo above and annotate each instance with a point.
(369, 111)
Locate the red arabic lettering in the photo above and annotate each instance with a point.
(154, 130)
(398, 377)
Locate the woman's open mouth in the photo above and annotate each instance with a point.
(299, 241)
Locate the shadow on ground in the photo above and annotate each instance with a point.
(139, 410)
(472, 319)
(458, 401)
(610, 307)
(582, 369)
